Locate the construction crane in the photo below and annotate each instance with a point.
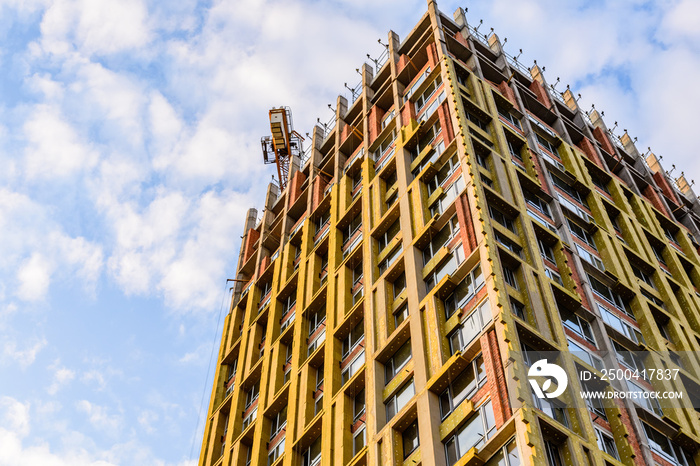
(284, 143)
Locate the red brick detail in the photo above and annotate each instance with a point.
(577, 279)
(507, 92)
(433, 59)
(264, 264)
(295, 186)
(448, 133)
(587, 147)
(604, 141)
(466, 230)
(651, 194)
(250, 240)
(374, 122)
(320, 184)
(632, 438)
(662, 183)
(403, 61)
(408, 112)
(460, 38)
(496, 379)
(538, 169)
(541, 94)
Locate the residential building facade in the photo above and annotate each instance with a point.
(457, 219)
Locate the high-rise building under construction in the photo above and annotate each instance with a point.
(458, 226)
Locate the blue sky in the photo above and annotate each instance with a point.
(129, 141)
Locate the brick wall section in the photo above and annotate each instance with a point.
(495, 377)
(587, 147)
(466, 230)
(264, 264)
(602, 138)
(403, 62)
(250, 240)
(651, 194)
(295, 186)
(507, 93)
(448, 133)
(408, 113)
(539, 91)
(374, 122)
(665, 187)
(460, 38)
(320, 184)
(433, 59)
(577, 279)
(632, 437)
(538, 169)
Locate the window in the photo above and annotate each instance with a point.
(463, 386)
(646, 278)
(399, 400)
(659, 253)
(606, 443)
(545, 144)
(595, 405)
(581, 234)
(514, 148)
(429, 136)
(554, 409)
(385, 238)
(600, 182)
(399, 284)
(359, 440)
(278, 422)
(530, 355)
(590, 258)
(447, 267)
(471, 327)
(427, 93)
(653, 299)
(506, 456)
(645, 401)
(384, 146)
(537, 203)
(568, 189)
(410, 439)
(356, 335)
(607, 294)
(464, 291)
(252, 394)
(546, 251)
(501, 218)
(662, 445)
(518, 309)
(352, 368)
(322, 220)
(507, 243)
(441, 239)
(316, 319)
(401, 315)
(248, 420)
(388, 116)
(390, 258)
(350, 230)
(450, 194)
(628, 358)
(312, 455)
(553, 453)
(445, 172)
(509, 117)
(579, 326)
(620, 325)
(397, 361)
(509, 276)
(473, 433)
(585, 354)
(275, 452)
(358, 405)
(477, 121)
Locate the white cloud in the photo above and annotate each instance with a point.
(95, 27)
(14, 415)
(61, 377)
(34, 276)
(100, 418)
(22, 356)
(53, 147)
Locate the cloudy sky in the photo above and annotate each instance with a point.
(129, 146)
